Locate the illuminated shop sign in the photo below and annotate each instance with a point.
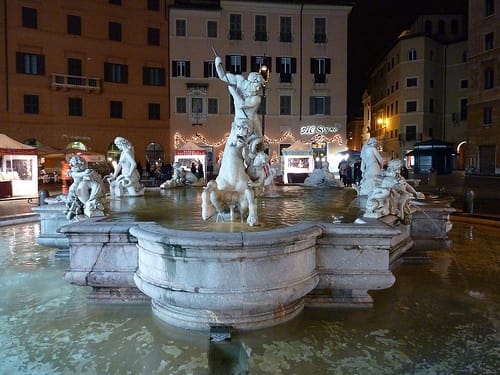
(318, 129)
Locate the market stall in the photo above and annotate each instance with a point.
(19, 168)
(190, 153)
(298, 162)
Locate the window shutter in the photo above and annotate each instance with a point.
(294, 65)
(313, 66)
(311, 105)
(253, 64)
(188, 69)
(107, 72)
(162, 76)
(327, 105)
(243, 63)
(278, 64)
(19, 62)
(205, 69)
(125, 73)
(228, 63)
(269, 62)
(174, 68)
(144, 75)
(327, 66)
(42, 64)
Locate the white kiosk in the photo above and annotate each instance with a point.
(298, 162)
(189, 153)
(19, 168)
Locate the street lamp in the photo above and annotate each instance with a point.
(264, 72)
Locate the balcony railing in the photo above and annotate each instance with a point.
(64, 81)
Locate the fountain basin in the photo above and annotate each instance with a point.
(247, 280)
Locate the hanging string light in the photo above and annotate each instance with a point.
(199, 138)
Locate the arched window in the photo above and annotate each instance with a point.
(428, 27)
(154, 152)
(113, 152)
(76, 146)
(441, 27)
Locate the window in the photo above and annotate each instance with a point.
(441, 27)
(115, 109)
(30, 18)
(256, 63)
(209, 70)
(212, 31)
(180, 27)
(464, 83)
(75, 107)
(154, 5)
(116, 73)
(488, 41)
(286, 66)
(489, 7)
(286, 29)
(412, 54)
(285, 105)
(464, 56)
(487, 115)
(180, 105)
(153, 36)
(320, 67)
(181, 68)
(431, 83)
(396, 107)
(115, 31)
(431, 105)
(74, 24)
(411, 133)
(115, 2)
(153, 76)
(197, 108)
(260, 28)
(31, 104)
(463, 109)
(411, 106)
(213, 106)
(319, 105)
(428, 27)
(320, 30)
(235, 27)
(489, 78)
(412, 82)
(75, 72)
(236, 64)
(154, 111)
(27, 63)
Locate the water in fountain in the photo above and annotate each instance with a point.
(180, 208)
(436, 312)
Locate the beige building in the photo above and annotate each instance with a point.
(85, 71)
(303, 45)
(418, 90)
(484, 87)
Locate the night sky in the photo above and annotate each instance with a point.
(373, 26)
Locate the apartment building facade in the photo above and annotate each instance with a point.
(83, 72)
(483, 154)
(418, 90)
(304, 46)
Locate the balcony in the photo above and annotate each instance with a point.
(64, 81)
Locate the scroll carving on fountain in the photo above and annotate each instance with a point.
(239, 181)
